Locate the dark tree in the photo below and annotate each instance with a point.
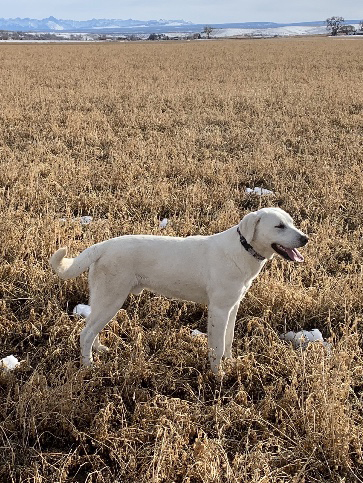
(208, 30)
(334, 24)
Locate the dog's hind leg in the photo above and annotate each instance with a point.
(105, 303)
(97, 346)
(97, 320)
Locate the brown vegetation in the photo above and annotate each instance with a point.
(132, 133)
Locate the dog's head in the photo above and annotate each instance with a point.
(272, 230)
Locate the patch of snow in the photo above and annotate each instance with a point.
(9, 362)
(85, 220)
(82, 309)
(54, 26)
(303, 338)
(259, 191)
(271, 32)
(196, 333)
(163, 223)
(173, 24)
(111, 27)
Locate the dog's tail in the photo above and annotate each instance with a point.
(72, 267)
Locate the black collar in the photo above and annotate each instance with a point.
(248, 247)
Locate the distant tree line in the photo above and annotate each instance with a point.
(174, 37)
(30, 36)
(17, 35)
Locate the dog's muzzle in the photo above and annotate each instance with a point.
(291, 254)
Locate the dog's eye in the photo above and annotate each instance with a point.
(281, 226)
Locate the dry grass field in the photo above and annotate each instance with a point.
(130, 134)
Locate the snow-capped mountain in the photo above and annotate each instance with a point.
(54, 24)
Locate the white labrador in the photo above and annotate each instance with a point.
(216, 270)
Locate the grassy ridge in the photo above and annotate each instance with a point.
(132, 133)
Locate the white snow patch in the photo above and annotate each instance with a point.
(163, 223)
(9, 362)
(196, 333)
(82, 309)
(174, 24)
(54, 26)
(271, 32)
(259, 191)
(111, 27)
(303, 338)
(85, 220)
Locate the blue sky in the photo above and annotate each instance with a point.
(197, 11)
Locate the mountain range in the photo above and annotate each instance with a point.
(52, 24)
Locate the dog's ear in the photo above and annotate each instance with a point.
(248, 225)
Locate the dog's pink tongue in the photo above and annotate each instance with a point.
(294, 254)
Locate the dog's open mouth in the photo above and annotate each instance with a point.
(291, 254)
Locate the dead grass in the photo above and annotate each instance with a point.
(132, 133)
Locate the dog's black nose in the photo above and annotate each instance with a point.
(304, 239)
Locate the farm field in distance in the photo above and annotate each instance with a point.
(132, 133)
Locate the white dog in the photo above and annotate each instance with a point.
(216, 270)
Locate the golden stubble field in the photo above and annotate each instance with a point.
(130, 134)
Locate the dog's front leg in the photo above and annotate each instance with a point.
(217, 324)
(230, 331)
